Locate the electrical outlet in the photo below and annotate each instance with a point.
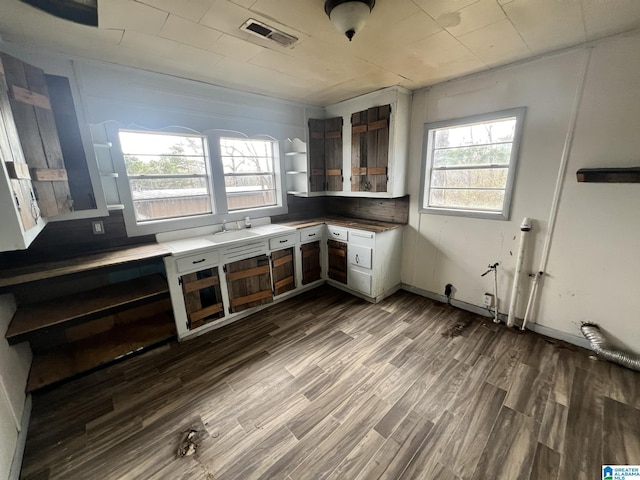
(488, 299)
(98, 227)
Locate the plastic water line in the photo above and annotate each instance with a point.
(525, 228)
(562, 171)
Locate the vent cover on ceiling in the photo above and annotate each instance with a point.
(262, 30)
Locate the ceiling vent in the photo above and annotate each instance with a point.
(262, 30)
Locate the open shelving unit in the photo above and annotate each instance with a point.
(296, 167)
(76, 333)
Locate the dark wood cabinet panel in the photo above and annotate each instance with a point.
(333, 154)
(337, 254)
(283, 271)
(325, 155)
(316, 155)
(370, 149)
(11, 153)
(35, 122)
(310, 262)
(202, 297)
(75, 158)
(249, 283)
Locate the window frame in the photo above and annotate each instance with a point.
(208, 175)
(274, 173)
(216, 183)
(427, 164)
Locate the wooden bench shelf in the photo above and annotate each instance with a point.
(41, 271)
(37, 318)
(72, 359)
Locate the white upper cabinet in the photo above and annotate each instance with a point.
(375, 141)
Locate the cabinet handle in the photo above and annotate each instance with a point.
(284, 241)
(199, 261)
(311, 234)
(357, 258)
(336, 234)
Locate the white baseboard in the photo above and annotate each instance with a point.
(16, 463)
(534, 327)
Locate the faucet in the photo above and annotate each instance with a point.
(224, 225)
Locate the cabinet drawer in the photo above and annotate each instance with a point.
(360, 256)
(361, 237)
(198, 261)
(337, 233)
(360, 281)
(311, 234)
(284, 241)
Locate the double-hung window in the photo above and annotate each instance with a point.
(470, 164)
(172, 181)
(249, 172)
(168, 174)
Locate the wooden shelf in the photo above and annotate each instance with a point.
(33, 319)
(72, 359)
(609, 175)
(40, 271)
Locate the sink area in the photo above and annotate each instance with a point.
(231, 236)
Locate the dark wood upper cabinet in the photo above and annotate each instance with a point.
(370, 149)
(333, 154)
(75, 158)
(36, 125)
(316, 155)
(325, 155)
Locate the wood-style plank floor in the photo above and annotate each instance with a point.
(327, 386)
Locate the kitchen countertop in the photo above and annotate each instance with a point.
(360, 224)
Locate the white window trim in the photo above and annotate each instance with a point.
(426, 166)
(218, 177)
(220, 211)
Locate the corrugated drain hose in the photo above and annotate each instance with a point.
(599, 345)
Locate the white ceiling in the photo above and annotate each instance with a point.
(412, 43)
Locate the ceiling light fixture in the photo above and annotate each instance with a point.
(348, 16)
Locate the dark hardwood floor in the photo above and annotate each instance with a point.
(326, 385)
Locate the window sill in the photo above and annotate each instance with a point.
(464, 213)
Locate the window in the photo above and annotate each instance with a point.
(168, 175)
(168, 180)
(249, 174)
(470, 164)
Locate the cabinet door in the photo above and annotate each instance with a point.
(325, 155)
(15, 163)
(202, 297)
(333, 154)
(337, 252)
(370, 149)
(249, 283)
(283, 271)
(34, 119)
(310, 262)
(316, 155)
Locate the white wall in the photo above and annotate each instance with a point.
(14, 370)
(593, 271)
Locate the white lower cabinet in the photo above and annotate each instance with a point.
(360, 281)
(373, 261)
(215, 286)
